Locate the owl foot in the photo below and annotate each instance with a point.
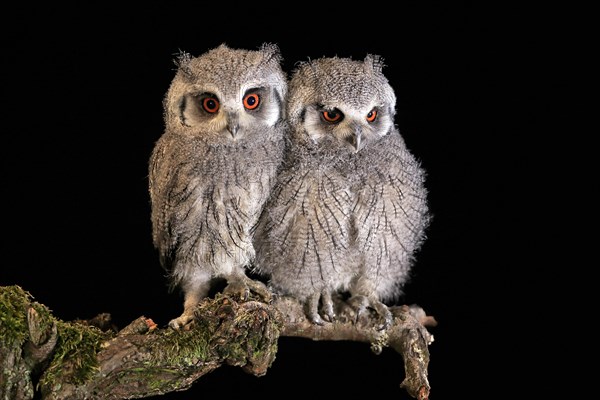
(312, 308)
(242, 286)
(360, 305)
(184, 319)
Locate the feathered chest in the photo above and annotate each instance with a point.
(225, 181)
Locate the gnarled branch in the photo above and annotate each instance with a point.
(93, 360)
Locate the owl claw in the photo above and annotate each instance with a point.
(175, 324)
(181, 321)
(242, 287)
(385, 315)
(330, 318)
(327, 307)
(316, 319)
(312, 308)
(360, 304)
(357, 306)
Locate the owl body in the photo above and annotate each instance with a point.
(390, 217)
(213, 168)
(349, 209)
(303, 241)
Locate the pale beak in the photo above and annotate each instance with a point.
(355, 138)
(232, 123)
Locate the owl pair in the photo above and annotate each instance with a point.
(307, 182)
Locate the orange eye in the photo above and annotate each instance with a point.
(372, 115)
(332, 116)
(210, 105)
(251, 101)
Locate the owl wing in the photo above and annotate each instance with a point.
(303, 232)
(160, 180)
(391, 215)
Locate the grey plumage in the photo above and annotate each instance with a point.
(349, 210)
(213, 168)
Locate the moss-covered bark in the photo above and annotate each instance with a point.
(139, 361)
(40, 354)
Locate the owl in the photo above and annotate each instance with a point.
(212, 169)
(349, 210)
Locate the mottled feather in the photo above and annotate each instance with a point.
(213, 168)
(349, 209)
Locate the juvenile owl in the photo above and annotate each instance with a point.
(211, 171)
(349, 210)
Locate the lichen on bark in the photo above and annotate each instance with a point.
(40, 354)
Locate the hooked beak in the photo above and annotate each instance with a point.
(355, 139)
(232, 123)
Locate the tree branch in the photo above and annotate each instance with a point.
(93, 360)
(407, 335)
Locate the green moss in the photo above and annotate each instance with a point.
(14, 306)
(173, 355)
(74, 359)
(14, 302)
(182, 348)
(160, 384)
(157, 380)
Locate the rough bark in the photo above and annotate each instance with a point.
(93, 360)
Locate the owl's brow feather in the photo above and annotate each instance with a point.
(271, 53)
(182, 61)
(375, 62)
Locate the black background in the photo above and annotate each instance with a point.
(82, 92)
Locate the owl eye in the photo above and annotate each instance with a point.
(372, 115)
(251, 101)
(332, 116)
(210, 105)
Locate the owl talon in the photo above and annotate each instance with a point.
(183, 320)
(330, 318)
(174, 324)
(360, 305)
(362, 316)
(327, 306)
(261, 290)
(237, 289)
(241, 287)
(384, 314)
(346, 313)
(312, 308)
(316, 319)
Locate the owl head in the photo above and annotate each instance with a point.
(226, 95)
(340, 103)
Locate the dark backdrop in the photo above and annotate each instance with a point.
(82, 92)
